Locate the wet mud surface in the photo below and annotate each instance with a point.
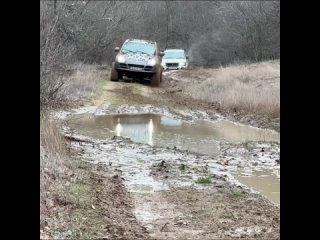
(189, 171)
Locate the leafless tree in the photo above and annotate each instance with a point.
(213, 32)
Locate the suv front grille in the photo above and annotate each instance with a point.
(148, 68)
(123, 65)
(135, 66)
(172, 64)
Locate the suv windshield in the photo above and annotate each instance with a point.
(173, 54)
(144, 48)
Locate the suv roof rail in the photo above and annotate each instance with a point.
(174, 49)
(139, 40)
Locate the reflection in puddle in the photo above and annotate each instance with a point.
(153, 129)
(264, 182)
(236, 133)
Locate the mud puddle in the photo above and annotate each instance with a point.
(157, 130)
(264, 182)
(200, 137)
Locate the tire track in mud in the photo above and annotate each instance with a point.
(171, 93)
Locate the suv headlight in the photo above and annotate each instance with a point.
(152, 62)
(121, 59)
(181, 64)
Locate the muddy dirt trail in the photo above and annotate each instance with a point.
(173, 94)
(189, 169)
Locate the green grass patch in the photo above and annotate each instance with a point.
(80, 194)
(203, 180)
(182, 167)
(235, 195)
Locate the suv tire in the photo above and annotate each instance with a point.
(161, 75)
(156, 78)
(114, 74)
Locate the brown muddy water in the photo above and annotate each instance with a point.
(153, 129)
(264, 182)
(201, 137)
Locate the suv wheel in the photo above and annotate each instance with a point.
(156, 78)
(161, 74)
(114, 74)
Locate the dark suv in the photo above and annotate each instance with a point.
(138, 59)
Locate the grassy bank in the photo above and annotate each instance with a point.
(67, 193)
(252, 88)
(57, 171)
(79, 86)
(82, 84)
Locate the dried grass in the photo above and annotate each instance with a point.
(82, 83)
(253, 88)
(54, 165)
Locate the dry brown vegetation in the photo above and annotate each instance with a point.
(253, 88)
(58, 173)
(82, 83)
(54, 168)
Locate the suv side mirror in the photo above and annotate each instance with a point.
(187, 56)
(117, 49)
(161, 54)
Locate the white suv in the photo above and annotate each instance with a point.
(175, 59)
(138, 59)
